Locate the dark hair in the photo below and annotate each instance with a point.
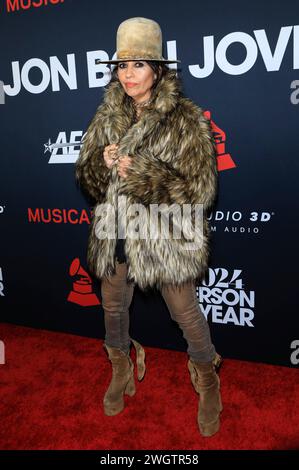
(159, 68)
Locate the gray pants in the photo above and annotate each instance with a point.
(182, 304)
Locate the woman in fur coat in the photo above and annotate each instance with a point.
(148, 146)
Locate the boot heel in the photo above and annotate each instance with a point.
(140, 359)
(113, 409)
(207, 384)
(130, 387)
(122, 371)
(220, 399)
(208, 430)
(220, 404)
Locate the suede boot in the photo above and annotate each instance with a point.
(207, 384)
(122, 381)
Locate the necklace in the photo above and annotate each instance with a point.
(139, 108)
(142, 104)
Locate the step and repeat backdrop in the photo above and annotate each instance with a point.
(240, 64)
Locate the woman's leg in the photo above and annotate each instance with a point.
(117, 295)
(183, 306)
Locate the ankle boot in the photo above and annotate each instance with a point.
(122, 381)
(207, 384)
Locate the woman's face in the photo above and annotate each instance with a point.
(137, 78)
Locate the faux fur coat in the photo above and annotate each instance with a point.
(174, 162)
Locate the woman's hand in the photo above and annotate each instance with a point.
(123, 163)
(110, 155)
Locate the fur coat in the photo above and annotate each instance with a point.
(174, 162)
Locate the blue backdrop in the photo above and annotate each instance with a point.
(239, 63)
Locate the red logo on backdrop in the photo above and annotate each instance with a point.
(59, 216)
(16, 5)
(81, 293)
(224, 160)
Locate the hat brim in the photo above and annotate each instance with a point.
(116, 61)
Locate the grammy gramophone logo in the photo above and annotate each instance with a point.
(224, 159)
(81, 292)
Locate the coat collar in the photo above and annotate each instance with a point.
(164, 97)
(119, 112)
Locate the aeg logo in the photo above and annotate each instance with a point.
(64, 151)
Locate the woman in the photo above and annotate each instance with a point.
(147, 144)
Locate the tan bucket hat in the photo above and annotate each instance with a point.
(138, 38)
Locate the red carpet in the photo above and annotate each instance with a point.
(52, 387)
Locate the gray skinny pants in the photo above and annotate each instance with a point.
(182, 304)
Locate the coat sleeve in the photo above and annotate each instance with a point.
(190, 178)
(91, 172)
